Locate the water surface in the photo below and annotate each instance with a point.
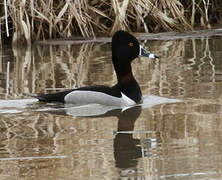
(179, 140)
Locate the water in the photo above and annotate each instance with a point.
(159, 140)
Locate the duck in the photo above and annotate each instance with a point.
(126, 92)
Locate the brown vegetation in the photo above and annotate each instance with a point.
(33, 20)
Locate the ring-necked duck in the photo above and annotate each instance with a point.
(125, 48)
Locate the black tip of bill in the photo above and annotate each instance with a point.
(145, 53)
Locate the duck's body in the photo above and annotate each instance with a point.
(125, 48)
(112, 96)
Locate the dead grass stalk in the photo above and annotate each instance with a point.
(42, 19)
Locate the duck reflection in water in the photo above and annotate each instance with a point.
(127, 149)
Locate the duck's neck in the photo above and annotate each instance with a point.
(124, 74)
(126, 81)
(128, 84)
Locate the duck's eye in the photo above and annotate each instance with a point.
(131, 44)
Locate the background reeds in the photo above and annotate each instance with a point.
(31, 20)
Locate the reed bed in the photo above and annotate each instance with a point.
(43, 19)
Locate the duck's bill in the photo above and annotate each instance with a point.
(144, 52)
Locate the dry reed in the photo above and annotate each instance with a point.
(33, 20)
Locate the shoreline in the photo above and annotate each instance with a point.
(141, 36)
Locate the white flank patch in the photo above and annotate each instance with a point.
(126, 101)
(92, 97)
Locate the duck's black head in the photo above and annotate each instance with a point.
(125, 48)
